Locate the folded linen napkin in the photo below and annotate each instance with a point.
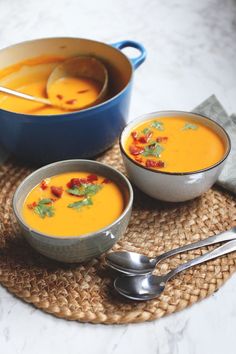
(212, 108)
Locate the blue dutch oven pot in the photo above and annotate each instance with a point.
(42, 139)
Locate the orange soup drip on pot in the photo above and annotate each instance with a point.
(174, 144)
(72, 204)
(30, 76)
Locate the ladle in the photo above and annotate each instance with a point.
(82, 67)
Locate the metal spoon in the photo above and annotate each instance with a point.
(147, 287)
(82, 66)
(25, 96)
(132, 263)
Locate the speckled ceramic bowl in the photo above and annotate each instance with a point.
(174, 186)
(74, 248)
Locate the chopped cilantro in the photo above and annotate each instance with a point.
(85, 189)
(44, 210)
(45, 201)
(81, 203)
(146, 131)
(153, 150)
(158, 125)
(188, 126)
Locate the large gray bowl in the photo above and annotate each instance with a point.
(74, 248)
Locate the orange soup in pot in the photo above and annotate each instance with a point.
(30, 77)
(174, 144)
(72, 204)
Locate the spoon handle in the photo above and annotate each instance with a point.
(219, 251)
(223, 236)
(25, 96)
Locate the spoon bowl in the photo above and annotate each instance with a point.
(140, 287)
(132, 263)
(149, 286)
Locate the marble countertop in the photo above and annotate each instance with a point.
(191, 49)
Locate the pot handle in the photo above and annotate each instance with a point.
(127, 43)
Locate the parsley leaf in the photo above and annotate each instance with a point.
(44, 210)
(158, 125)
(45, 201)
(146, 131)
(153, 150)
(92, 189)
(81, 203)
(85, 189)
(188, 126)
(76, 191)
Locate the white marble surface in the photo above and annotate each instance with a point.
(191, 54)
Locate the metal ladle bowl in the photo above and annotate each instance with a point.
(82, 67)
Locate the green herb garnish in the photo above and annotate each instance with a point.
(76, 191)
(191, 126)
(158, 125)
(81, 203)
(153, 150)
(45, 201)
(43, 209)
(85, 189)
(146, 131)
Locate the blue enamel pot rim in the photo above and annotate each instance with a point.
(149, 116)
(88, 110)
(127, 208)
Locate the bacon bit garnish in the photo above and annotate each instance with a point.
(76, 182)
(83, 180)
(161, 139)
(73, 101)
(134, 136)
(32, 205)
(154, 164)
(53, 199)
(57, 191)
(91, 178)
(43, 185)
(145, 138)
(60, 97)
(106, 180)
(83, 91)
(136, 150)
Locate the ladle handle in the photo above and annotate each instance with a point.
(217, 252)
(136, 62)
(25, 96)
(223, 236)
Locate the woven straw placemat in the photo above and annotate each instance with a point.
(85, 292)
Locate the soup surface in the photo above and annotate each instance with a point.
(174, 144)
(72, 204)
(31, 77)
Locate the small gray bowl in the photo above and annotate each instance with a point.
(74, 248)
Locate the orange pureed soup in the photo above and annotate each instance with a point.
(72, 204)
(174, 144)
(30, 76)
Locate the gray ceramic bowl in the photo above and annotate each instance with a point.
(74, 248)
(174, 186)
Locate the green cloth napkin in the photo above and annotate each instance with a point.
(212, 108)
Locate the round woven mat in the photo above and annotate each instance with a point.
(85, 292)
